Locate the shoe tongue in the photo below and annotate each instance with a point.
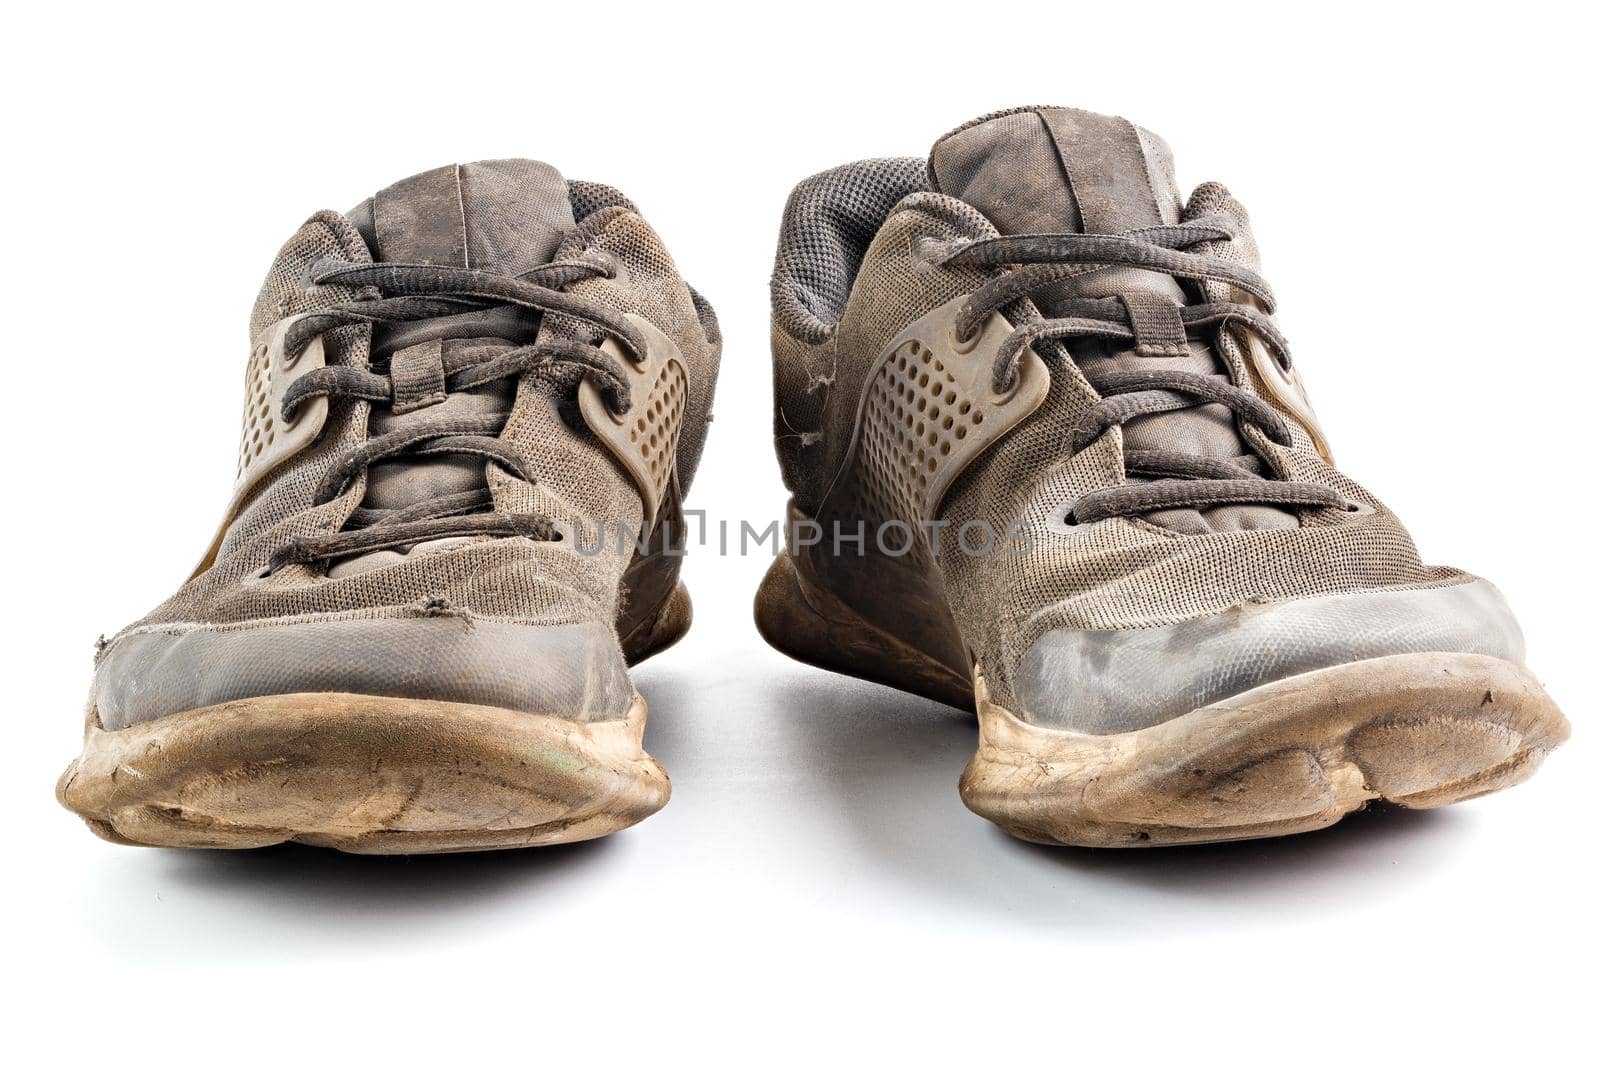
(1059, 170)
(503, 215)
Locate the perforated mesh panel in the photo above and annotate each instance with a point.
(930, 409)
(655, 430)
(914, 416)
(268, 439)
(822, 371)
(644, 439)
(650, 287)
(258, 431)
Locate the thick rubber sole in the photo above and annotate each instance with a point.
(1419, 730)
(363, 774)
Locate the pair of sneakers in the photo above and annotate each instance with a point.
(1049, 460)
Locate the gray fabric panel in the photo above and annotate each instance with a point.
(1105, 163)
(574, 671)
(1111, 681)
(1007, 167)
(828, 224)
(517, 211)
(586, 198)
(419, 220)
(505, 215)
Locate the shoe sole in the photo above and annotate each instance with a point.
(1419, 730)
(363, 774)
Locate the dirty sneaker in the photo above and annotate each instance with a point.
(469, 400)
(1050, 459)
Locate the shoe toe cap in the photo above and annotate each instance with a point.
(574, 671)
(1111, 681)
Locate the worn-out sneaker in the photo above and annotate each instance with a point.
(1049, 457)
(468, 402)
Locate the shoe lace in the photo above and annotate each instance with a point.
(1176, 479)
(410, 292)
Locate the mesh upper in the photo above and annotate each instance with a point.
(828, 223)
(577, 480)
(1116, 574)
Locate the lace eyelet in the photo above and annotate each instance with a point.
(961, 346)
(289, 358)
(618, 413)
(1064, 519)
(1004, 393)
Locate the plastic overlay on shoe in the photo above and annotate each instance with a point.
(930, 409)
(268, 439)
(644, 439)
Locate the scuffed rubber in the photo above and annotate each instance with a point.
(363, 774)
(1419, 730)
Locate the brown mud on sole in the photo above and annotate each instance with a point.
(1419, 730)
(363, 774)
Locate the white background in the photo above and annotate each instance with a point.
(1422, 186)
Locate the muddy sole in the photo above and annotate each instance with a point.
(363, 774)
(1421, 731)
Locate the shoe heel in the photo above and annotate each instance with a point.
(660, 631)
(806, 622)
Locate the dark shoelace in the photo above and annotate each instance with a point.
(410, 293)
(1179, 479)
